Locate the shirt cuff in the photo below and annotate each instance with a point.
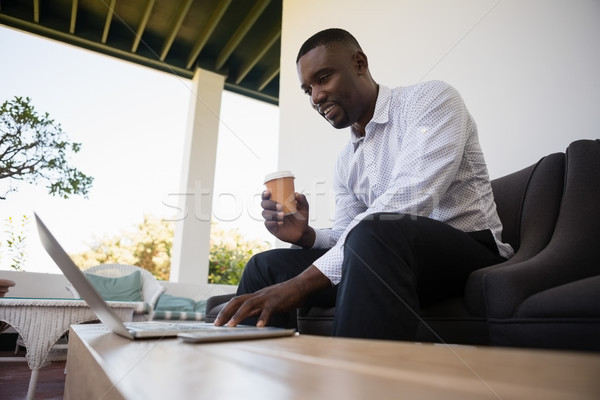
(323, 239)
(330, 264)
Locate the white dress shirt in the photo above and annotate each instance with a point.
(420, 156)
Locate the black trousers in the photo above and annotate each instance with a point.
(393, 265)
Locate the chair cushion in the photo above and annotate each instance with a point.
(168, 302)
(124, 288)
(178, 315)
(171, 307)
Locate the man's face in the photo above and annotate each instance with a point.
(330, 77)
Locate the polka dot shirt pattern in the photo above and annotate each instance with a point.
(420, 156)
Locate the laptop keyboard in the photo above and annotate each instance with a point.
(167, 326)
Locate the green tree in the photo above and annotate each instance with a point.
(34, 149)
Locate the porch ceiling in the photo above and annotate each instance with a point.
(236, 38)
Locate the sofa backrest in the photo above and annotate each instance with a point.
(509, 192)
(528, 202)
(576, 240)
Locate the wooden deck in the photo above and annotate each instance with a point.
(14, 377)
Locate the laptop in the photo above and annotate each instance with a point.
(187, 331)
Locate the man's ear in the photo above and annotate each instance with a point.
(361, 64)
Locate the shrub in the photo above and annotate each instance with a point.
(16, 242)
(229, 253)
(149, 246)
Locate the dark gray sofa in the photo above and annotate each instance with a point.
(548, 294)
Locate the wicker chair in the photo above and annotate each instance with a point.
(151, 288)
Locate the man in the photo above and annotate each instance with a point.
(415, 213)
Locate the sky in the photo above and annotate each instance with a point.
(131, 121)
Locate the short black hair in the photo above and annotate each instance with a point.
(328, 37)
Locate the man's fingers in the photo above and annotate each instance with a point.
(269, 215)
(264, 318)
(300, 198)
(271, 225)
(233, 312)
(238, 309)
(268, 205)
(227, 311)
(271, 205)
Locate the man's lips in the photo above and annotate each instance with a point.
(326, 110)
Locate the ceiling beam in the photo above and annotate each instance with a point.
(251, 93)
(268, 77)
(241, 31)
(262, 50)
(142, 26)
(207, 31)
(36, 11)
(46, 32)
(175, 28)
(109, 15)
(73, 16)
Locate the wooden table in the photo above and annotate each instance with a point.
(103, 365)
(41, 322)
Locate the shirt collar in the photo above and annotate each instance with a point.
(380, 115)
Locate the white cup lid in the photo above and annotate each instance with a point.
(279, 174)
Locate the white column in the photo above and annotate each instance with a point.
(192, 232)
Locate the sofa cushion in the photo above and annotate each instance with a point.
(316, 320)
(550, 333)
(579, 299)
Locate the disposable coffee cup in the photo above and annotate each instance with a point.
(281, 186)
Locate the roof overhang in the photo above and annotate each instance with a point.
(238, 39)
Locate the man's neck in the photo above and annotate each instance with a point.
(360, 126)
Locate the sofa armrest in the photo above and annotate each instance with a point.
(478, 294)
(215, 304)
(505, 286)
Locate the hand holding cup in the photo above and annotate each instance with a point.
(281, 186)
(285, 212)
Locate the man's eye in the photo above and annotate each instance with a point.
(307, 91)
(323, 78)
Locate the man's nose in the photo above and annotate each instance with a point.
(316, 98)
